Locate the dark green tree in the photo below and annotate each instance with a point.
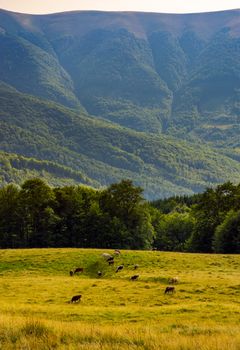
(173, 231)
(124, 201)
(209, 213)
(36, 200)
(227, 235)
(73, 206)
(9, 218)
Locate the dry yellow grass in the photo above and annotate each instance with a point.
(116, 313)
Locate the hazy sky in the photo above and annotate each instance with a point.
(172, 6)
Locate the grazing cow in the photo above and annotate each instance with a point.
(173, 280)
(136, 266)
(134, 277)
(117, 251)
(76, 299)
(106, 256)
(71, 273)
(78, 269)
(111, 258)
(119, 268)
(111, 262)
(169, 290)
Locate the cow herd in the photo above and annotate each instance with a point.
(110, 260)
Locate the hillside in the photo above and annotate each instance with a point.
(103, 152)
(145, 71)
(16, 169)
(151, 97)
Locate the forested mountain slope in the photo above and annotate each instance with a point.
(104, 152)
(16, 169)
(155, 79)
(146, 71)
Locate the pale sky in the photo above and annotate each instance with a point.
(170, 6)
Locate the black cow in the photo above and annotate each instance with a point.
(134, 277)
(78, 269)
(111, 258)
(119, 268)
(76, 299)
(169, 290)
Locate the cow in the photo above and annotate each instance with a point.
(117, 251)
(71, 273)
(119, 268)
(106, 256)
(173, 280)
(78, 269)
(169, 290)
(76, 299)
(134, 277)
(99, 273)
(111, 262)
(111, 258)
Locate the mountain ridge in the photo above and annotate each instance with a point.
(149, 79)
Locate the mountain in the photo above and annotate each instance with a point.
(16, 168)
(69, 144)
(147, 96)
(145, 71)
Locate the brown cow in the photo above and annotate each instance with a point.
(76, 299)
(173, 280)
(169, 290)
(78, 269)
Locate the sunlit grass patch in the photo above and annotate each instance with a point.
(17, 333)
(115, 312)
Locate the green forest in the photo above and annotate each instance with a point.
(95, 97)
(38, 215)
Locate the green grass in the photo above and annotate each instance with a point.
(116, 313)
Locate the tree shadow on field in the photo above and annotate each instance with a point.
(100, 265)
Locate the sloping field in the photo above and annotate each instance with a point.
(116, 312)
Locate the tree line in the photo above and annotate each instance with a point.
(37, 215)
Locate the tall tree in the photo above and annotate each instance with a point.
(73, 206)
(209, 213)
(36, 200)
(227, 235)
(124, 201)
(173, 231)
(9, 219)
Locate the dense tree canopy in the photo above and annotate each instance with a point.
(37, 215)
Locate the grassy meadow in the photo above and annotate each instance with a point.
(115, 312)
